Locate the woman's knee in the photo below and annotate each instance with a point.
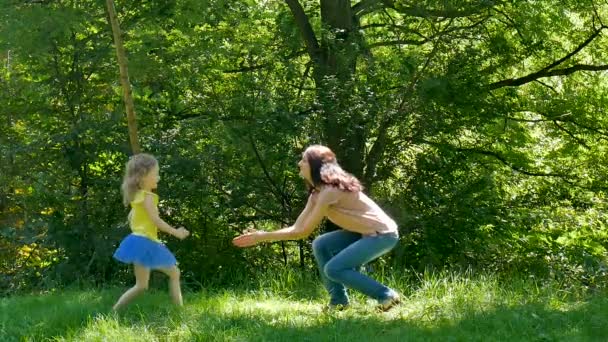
(318, 244)
(333, 271)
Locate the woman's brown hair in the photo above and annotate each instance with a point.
(324, 169)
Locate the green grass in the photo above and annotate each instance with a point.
(440, 307)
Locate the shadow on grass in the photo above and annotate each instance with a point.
(38, 317)
(208, 317)
(529, 322)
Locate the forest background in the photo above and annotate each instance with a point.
(480, 126)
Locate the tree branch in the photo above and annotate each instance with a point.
(498, 157)
(247, 203)
(504, 161)
(603, 135)
(577, 139)
(558, 72)
(379, 146)
(273, 187)
(547, 72)
(403, 29)
(312, 45)
(262, 66)
(369, 6)
(247, 68)
(301, 87)
(399, 42)
(366, 6)
(448, 13)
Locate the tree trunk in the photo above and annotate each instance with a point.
(124, 77)
(340, 48)
(335, 59)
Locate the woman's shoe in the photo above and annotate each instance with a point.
(389, 302)
(335, 307)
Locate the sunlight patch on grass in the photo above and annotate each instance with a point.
(436, 308)
(110, 329)
(271, 306)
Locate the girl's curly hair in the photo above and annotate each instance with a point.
(137, 168)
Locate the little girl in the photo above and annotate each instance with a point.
(142, 248)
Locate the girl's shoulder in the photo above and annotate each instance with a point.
(140, 195)
(149, 193)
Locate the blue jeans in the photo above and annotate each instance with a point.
(341, 253)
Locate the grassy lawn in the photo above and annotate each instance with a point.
(436, 308)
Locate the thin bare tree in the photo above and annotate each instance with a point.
(124, 77)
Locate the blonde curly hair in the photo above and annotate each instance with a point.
(137, 168)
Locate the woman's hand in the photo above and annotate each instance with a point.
(250, 237)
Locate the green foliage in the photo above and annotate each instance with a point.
(458, 116)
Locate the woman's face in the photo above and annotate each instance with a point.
(305, 169)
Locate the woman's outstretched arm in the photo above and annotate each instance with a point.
(306, 223)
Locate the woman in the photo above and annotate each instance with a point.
(366, 234)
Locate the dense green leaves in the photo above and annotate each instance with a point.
(480, 126)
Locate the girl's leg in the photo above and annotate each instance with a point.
(142, 278)
(174, 286)
(343, 268)
(324, 248)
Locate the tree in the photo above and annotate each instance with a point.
(349, 36)
(121, 56)
(478, 125)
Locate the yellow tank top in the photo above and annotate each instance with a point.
(139, 220)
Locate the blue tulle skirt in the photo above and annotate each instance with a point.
(135, 249)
